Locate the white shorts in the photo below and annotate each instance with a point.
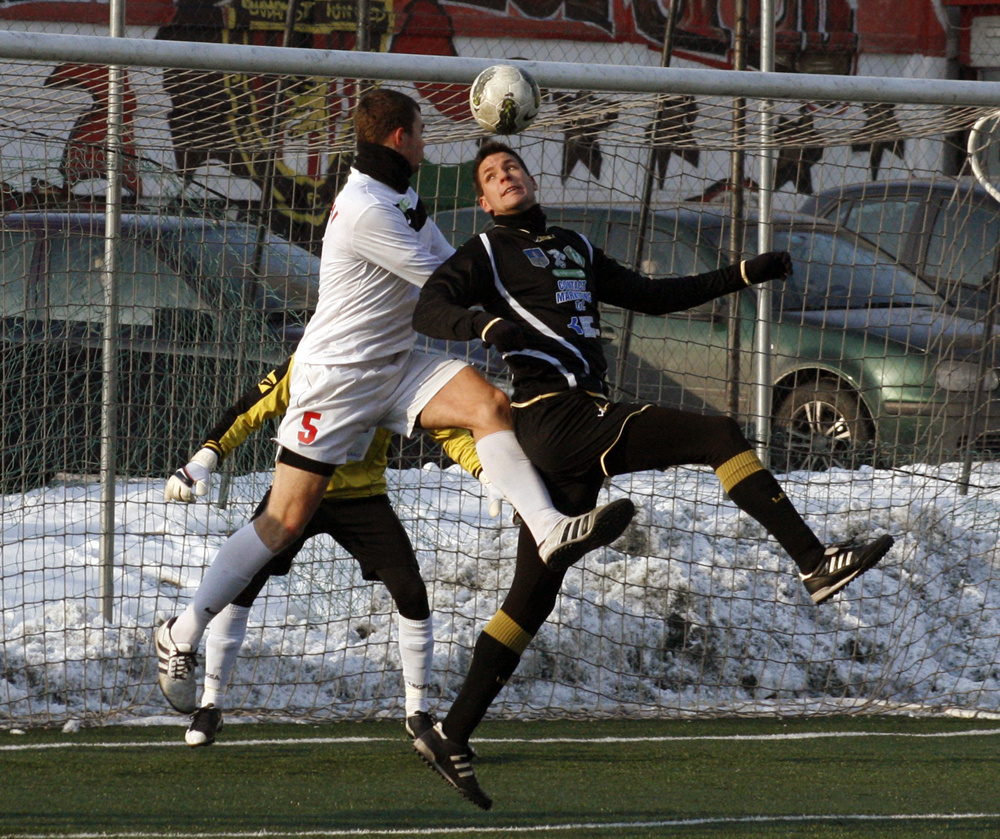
(334, 408)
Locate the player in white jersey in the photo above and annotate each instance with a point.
(375, 237)
(356, 370)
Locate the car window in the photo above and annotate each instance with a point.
(668, 252)
(962, 244)
(15, 263)
(290, 275)
(458, 226)
(205, 252)
(73, 287)
(841, 272)
(673, 252)
(580, 220)
(146, 284)
(885, 223)
(839, 212)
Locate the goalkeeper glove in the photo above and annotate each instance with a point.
(194, 479)
(493, 495)
(775, 265)
(504, 335)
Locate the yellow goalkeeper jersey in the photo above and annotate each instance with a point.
(355, 479)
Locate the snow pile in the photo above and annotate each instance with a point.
(693, 610)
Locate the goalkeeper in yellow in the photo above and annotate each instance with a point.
(355, 511)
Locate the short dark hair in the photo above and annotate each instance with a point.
(490, 147)
(381, 112)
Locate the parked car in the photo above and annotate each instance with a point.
(204, 308)
(868, 363)
(945, 230)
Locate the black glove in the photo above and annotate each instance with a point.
(504, 335)
(775, 265)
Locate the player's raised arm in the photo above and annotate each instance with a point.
(627, 289)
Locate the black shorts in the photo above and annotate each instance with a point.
(367, 528)
(567, 436)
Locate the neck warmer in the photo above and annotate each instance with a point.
(531, 220)
(383, 164)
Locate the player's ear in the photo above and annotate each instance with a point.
(395, 138)
(485, 204)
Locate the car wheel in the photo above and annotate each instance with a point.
(819, 425)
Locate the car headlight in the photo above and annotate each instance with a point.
(963, 375)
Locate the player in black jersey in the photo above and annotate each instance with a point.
(539, 288)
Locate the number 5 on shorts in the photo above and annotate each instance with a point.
(309, 432)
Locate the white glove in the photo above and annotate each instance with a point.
(194, 479)
(493, 495)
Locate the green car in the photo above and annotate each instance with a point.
(205, 308)
(945, 230)
(868, 364)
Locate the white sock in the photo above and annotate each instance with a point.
(241, 556)
(510, 471)
(225, 637)
(416, 652)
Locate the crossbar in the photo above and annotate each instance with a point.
(238, 58)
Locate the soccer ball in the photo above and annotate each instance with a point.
(504, 100)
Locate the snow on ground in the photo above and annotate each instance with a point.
(693, 610)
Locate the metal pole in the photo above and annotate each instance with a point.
(737, 168)
(985, 361)
(363, 39)
(765, 237)
(989, 321)
(644, 207)
(109, 346)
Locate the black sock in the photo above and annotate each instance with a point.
(492, 665)
(762, 497)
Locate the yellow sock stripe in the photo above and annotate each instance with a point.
(737, 468)
(507, 632)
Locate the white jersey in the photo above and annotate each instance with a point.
(371, 270)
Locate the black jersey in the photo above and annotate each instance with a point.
(550, 281)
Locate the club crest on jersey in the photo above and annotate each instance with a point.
(562, 260)
(537, 257)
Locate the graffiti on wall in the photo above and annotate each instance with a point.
(275, 133)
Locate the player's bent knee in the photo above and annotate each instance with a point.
(492, 409)
(726, 436)
(279, 532)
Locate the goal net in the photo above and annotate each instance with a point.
(880, 410)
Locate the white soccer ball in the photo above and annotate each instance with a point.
(504, 100)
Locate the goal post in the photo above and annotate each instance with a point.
(883, 414)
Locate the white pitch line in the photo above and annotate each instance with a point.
(507, 831)
(688, 738)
